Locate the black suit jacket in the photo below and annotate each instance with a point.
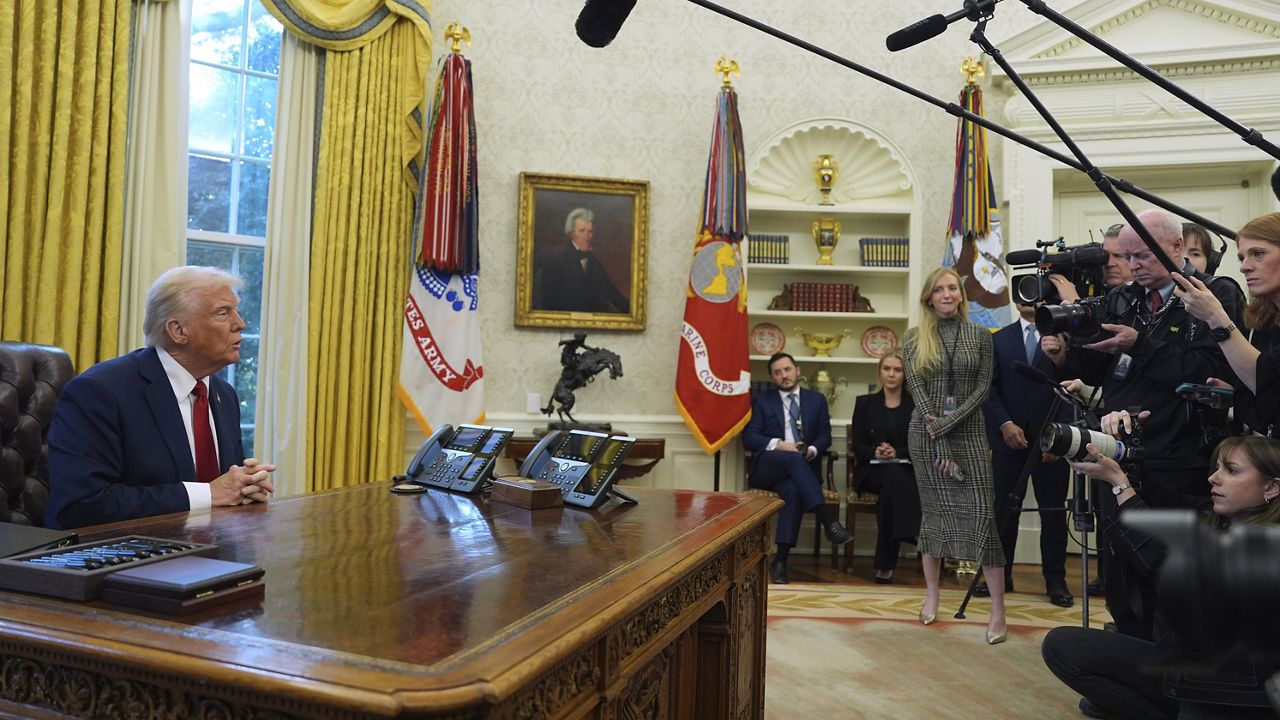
(768, 420)
(118, 448)
(1014, 397)
(872, 426)
(563, 284)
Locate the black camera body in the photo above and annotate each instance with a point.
(1081, 265)
(1082, 321)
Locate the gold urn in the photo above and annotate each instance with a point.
(823, 343)
(826, 233)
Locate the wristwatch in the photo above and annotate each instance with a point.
(1220, 334)
(1120, 488)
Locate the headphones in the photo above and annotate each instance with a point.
(1214, 256)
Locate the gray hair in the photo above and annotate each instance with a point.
(170, 296)
(1163, 225)
(575, 215)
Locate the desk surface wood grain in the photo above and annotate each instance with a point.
(384, 603)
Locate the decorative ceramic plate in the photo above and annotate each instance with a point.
(767, 339)
(878, 341)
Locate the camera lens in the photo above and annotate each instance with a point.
(1069, 442)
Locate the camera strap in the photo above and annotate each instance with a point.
(949, 404)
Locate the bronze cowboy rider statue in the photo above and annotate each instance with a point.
(580, 363)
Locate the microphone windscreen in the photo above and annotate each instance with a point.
(1275, 183)
(600, 20)
(916, 33)
(1032, 373)
(1023, 257)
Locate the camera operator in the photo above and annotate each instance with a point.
(1104, 667)
(1257, 363)
(1155, 345)
(1115, 273)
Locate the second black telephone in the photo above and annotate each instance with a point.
(584, 464)
(460, 459)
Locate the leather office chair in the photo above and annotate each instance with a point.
(31, 377)
(855, 502)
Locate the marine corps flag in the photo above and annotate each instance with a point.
(441, 371)
(713, 375)
(974, 246)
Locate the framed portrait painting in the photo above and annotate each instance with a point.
(581, 252)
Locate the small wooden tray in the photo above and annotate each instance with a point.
(526, 492)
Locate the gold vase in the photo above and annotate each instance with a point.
(826, 233)
(823, 343)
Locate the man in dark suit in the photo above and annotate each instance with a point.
(154, 431)
(575, 279)
(788, 433)
(1015, 411)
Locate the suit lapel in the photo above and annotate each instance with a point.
(164, 408)
(226, 421)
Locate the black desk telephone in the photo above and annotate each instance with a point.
(459, 459)
(584, 464)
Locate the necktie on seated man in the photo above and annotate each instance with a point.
(206, 452)
(793, 409)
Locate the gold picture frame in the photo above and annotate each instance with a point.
(559, 285)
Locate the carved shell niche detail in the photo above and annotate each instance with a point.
(869, 168)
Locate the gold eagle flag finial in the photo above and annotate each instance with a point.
(456, 34)
(973, 68)
(727, 67)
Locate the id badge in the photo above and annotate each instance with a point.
(948, 404)
(1122, 366)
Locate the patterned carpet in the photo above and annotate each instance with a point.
(859, 652)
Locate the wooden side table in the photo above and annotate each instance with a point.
(643, 456)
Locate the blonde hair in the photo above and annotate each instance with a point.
(928, 341)
(170, 296)
(1262, 311)
(894, 353)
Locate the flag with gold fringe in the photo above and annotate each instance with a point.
(975, 247)
(441, 369)
(713, 374)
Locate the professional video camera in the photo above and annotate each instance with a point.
(1219, 590)
(1081, 265)
(1082, 321)
(1068, 440)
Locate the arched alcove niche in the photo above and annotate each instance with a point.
(873, 173)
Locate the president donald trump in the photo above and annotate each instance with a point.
(155, 431)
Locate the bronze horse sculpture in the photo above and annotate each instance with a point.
(577, 370)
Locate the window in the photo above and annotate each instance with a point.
(235, 61)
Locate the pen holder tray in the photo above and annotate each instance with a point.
(75, 572)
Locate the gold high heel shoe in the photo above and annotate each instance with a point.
(928, 619)
(997, 638)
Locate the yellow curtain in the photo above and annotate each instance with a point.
(63, 108)
(373, 103)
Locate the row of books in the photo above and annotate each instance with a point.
(825, 297)
(884, 252)
(768, 249)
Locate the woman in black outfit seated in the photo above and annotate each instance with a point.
(1104, 666)
(882, 465)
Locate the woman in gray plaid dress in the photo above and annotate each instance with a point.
(948, 371)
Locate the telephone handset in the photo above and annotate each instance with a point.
(460, 459)
(583, 464)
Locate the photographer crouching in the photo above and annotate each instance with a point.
(1139, 343)
(1107, 668)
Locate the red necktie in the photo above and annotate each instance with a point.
(1156, 300)
(206, 453)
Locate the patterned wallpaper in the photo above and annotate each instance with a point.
(642, 108)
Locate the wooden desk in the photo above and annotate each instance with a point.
(436, 605)
(650, 450)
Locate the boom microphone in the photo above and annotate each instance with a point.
(1275, 183)
(919, 31)
(600, 20)
(1023, 257)
(1032, 373)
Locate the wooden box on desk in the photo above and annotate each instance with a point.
(526, 492)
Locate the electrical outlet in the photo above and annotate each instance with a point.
(533, 403)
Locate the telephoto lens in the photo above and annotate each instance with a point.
(1069, 441)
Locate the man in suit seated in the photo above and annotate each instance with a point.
(1015, 411)
(154, 431)
(788, 433)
